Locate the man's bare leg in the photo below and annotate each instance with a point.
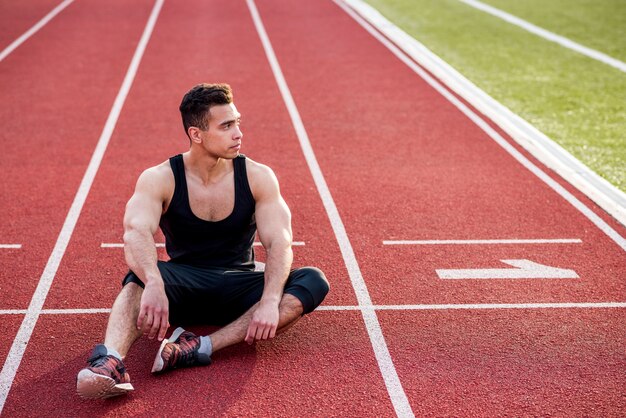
(122, 329)
(175, 355)
(106, 375)
(290, 310)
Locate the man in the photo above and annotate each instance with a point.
(209, 202)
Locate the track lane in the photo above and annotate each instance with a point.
(20, 341)
(272, 373)
(335, 329)
(412, 152)
(17, 17)
(268, 138)
(403, 163)
(294, 375)
(493, 363)
(45, 155)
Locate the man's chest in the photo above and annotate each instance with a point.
(213, 202)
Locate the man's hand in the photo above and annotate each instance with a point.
(264, 323)
(154, 311)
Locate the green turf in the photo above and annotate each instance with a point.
(578, 102)
(600, 25)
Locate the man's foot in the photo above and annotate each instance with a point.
(105, 377)
(180, 350)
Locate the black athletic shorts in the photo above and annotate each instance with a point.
(217, 297)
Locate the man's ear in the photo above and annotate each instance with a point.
(194, 134)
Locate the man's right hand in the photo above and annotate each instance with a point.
(154, 311)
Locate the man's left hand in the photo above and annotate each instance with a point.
(263, 324)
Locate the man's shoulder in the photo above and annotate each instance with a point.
(261, 178)
(258, 170)
(158, 175)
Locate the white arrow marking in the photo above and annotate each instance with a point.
(526, 269)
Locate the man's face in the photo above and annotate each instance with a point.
(223, 137)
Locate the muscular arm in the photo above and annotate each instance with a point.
(141, 221)
(274, 227)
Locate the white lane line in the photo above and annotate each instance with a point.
(162, 244)
(75, 311)
(485, 241)
(11, 246)
(479, 306)
(387, 368)
(294, 244)
(492, 133)
(18, 348)
(607, 196)
(338, 308)
(121, 245)
(56, 311)
(34, 29)
(545, 34)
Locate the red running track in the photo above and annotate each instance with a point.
(401, 163)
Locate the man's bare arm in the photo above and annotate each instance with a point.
(274, 227)
(141, 221)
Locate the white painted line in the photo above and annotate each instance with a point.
(524, 269)
(162, 244)
(607, 196)
(339, 308)
(120, 245)
(75, 311)
(18, 347)
(34, 29)
(545, 34)
(440, 307)
(57, 311)
(480, 306)
(485, 241)
(387, 368)
(294, 244)
(608, 201)
(11, 246)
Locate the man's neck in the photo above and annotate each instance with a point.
(207, 168)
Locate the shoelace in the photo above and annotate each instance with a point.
(109, 363)
(185, 353)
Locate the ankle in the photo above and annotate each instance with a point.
(206, 348)
(113, 352)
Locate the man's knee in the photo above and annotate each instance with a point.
(130, 295)
(316, 280)
(132, 288)
(310, 286)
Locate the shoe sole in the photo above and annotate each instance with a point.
(90, 385)
(158, 364)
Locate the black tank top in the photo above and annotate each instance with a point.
(226, 243)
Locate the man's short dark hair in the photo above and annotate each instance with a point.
(197, 102)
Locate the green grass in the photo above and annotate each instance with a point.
(600, 25)
(578, 102)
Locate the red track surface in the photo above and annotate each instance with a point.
(19, 16)
(401, 163)
(55, 102)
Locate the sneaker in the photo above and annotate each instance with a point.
(180, 350)
(105, 377)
